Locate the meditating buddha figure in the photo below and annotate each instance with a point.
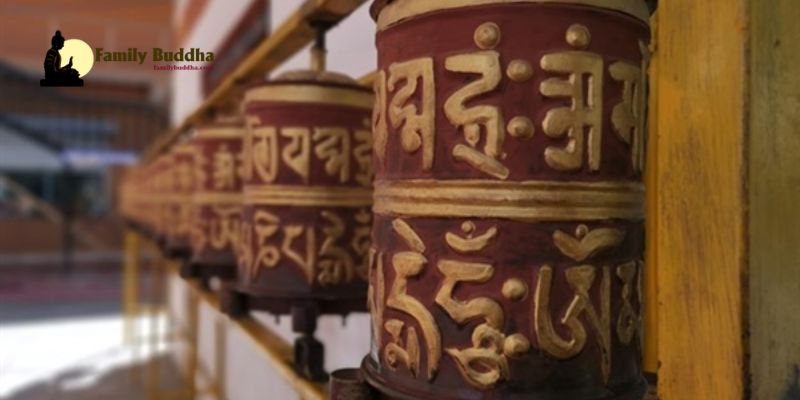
(54, 73)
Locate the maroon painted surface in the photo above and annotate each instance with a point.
(178, 241)
(159, 184)
(529, 31)
(287, 280)
(207, 218)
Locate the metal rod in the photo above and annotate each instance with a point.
(319, 53)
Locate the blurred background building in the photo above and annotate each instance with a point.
(62, 146)
(61, 151)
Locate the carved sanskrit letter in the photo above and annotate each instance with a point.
(265, 153)
(478, 118)
(307, 262)
(483, 364)
(486, 362)
(628, 116)
(297, 154)
(334, 147)
(224, 228)
(336, 265)
(224, 171)
(265, 225)
(586, 108)
(580, 279)
(408, 264)
(418, 126)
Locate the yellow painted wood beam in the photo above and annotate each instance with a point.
(727, 243)
(650, 350)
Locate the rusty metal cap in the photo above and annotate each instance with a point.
(391, 12)
(309, 86)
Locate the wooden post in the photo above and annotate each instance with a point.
(727, 181)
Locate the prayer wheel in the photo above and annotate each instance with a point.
(508, 229)
(160, 217)
(179, 198)
(307, 196)
(216, 201)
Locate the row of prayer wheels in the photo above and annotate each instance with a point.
(484, 201)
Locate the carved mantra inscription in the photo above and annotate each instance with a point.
(216, 201)
(486, 361)
(330, 242)
(406, 98)
(508, 203)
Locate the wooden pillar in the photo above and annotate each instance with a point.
(728, 185)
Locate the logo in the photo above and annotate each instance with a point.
(66, 62)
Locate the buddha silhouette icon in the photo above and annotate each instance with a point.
(57, 73)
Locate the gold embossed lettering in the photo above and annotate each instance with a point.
(333, 146)
(584, 88)
(408, 264)
(628, 117)
(336, 265)
(417, 125)
(297, 154)
(480, 118)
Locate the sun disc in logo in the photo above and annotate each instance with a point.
(81, 53)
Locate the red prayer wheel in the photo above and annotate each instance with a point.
(161, 219)
(180, 201)
(307, 196)
(216, 200)
(508, 236)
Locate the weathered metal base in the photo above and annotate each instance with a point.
(414, 391)
(349, 384)
(309, 353)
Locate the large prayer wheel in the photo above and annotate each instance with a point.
(508, 236)
(307, 197)
(216, 200)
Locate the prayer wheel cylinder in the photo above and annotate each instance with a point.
(307, 194)
(216, 200)
(508, 235)
(161, 217)
(178, 242)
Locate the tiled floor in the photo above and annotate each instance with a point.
(120, 383)
(69, 358)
